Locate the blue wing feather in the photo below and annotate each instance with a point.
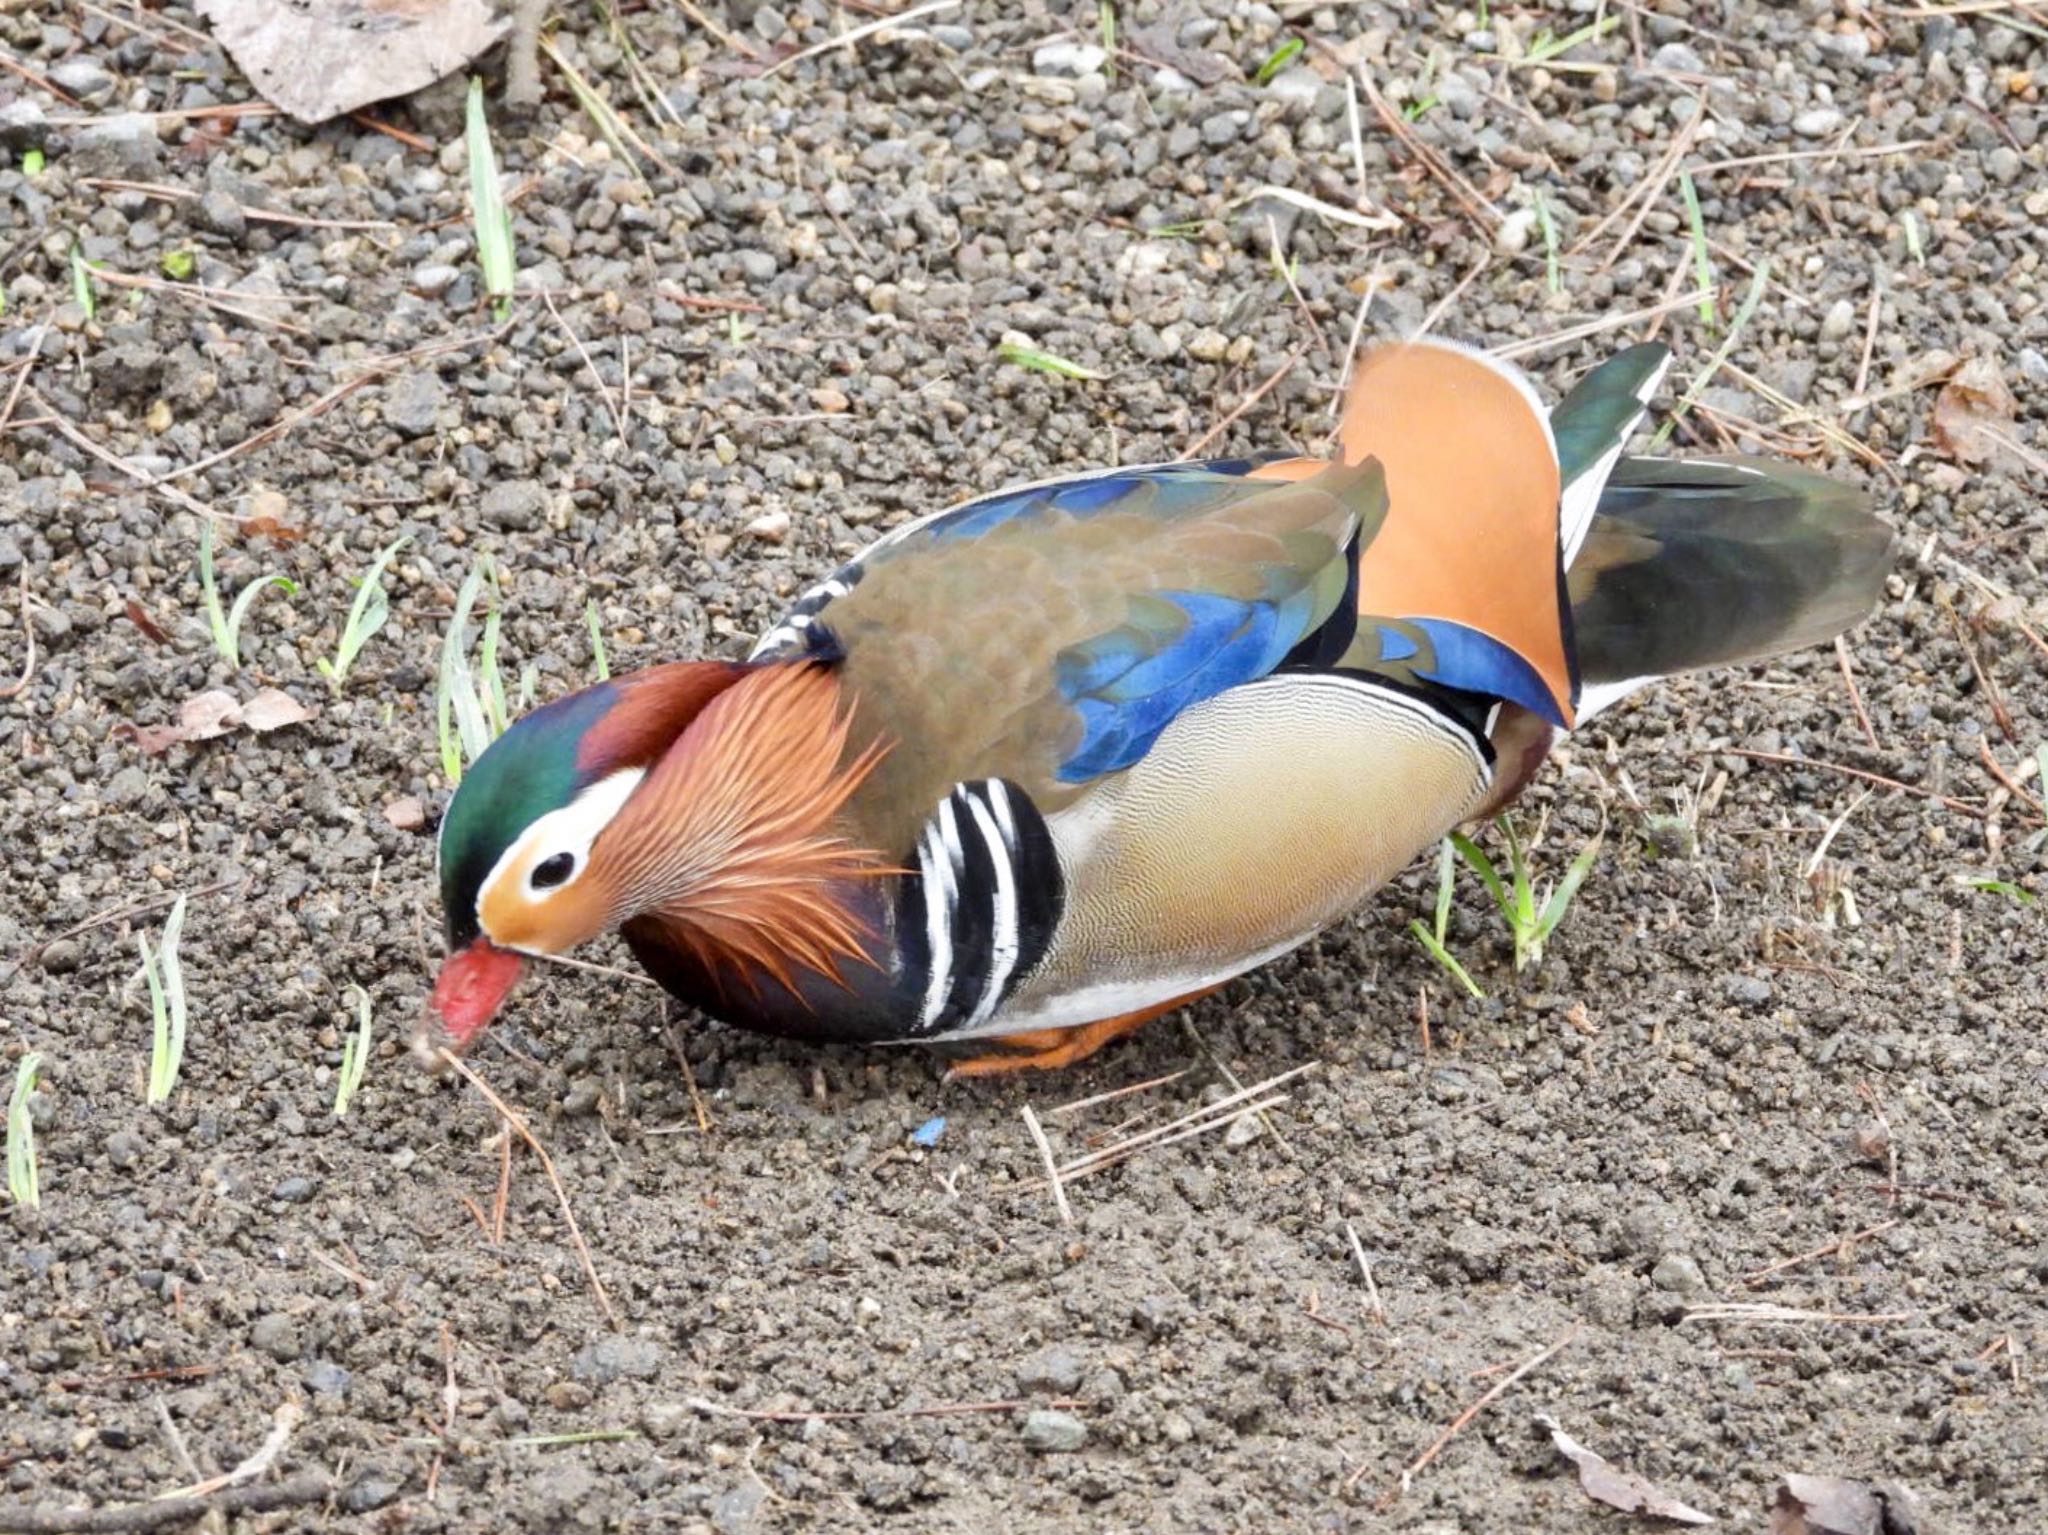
(1478, 663)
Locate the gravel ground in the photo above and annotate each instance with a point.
(778, 344)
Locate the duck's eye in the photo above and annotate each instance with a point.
(550, 872)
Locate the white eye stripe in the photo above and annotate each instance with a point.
(571, 830)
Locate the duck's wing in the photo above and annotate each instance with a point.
(1048, 636)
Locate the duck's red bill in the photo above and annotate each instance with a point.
(474, 982)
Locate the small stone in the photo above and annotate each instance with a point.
(1679, 1274)
(1297, 86)
(756, 265)
(1224, 128)
(128, 786)
(22, 126)
(515, 506)
(1054, 1433)
(1208, 345)
(1746, 990)
(2003, 165)
(769, 527)
(324, 1377)
(276, 1335)
(1839, 321)
(1513, 235)
(124, 1149)
(567, 1396)
(1817, 122)
(405, 814)
(618, 1357)
(769, 24)
(293, 1191)
(61, 957)
(370, 1492)
(1872, 1141)
(412, 403)
(1053, 1371)
(434, 279)
(732, 1512)
(830, 400)
(220, 214)
(124, 145)
(130, 372)
(84, 78)
(1069, 59)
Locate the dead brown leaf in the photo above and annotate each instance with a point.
(1607, 1483)
(152, 631)
(1972, 411)
(320, 58)
(272, 710)
(205, 716)
(1835, 1505)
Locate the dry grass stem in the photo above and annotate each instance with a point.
(1765, 1311)
(1052, 1166)
(857, 1415)
(1457, 1425)
(1372, 1290)
(1856, 694)
(454, 1063)
(1826, 1249)
(604, 394)
(282, 1423)
(1116, 1092)
(1272, 382)
(865, 29)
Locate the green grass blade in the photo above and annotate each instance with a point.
(355, 1054)
(1553, 268)
(1477, 861)
(166, 979)
(1548, 45)
(1744, 312)
(1444, 957)
(1105, 16)
(246, 599)
(24, 1184)
(1015, 352)
(1702, 267)
(366, 615)
(493, 221)
(83, 288)
(458, 713)
(495, 711)
(1278, 60)
(1446, 874)
(1560, 900)
(209, 591)
(599, 661)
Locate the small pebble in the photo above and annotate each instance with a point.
(1054, 1433)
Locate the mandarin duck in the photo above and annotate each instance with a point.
(1035, 769)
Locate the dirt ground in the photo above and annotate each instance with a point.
(1818, 1022)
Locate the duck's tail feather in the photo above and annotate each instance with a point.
(1707, 562)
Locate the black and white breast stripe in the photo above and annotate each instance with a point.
(799, 632)
(981, 913)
